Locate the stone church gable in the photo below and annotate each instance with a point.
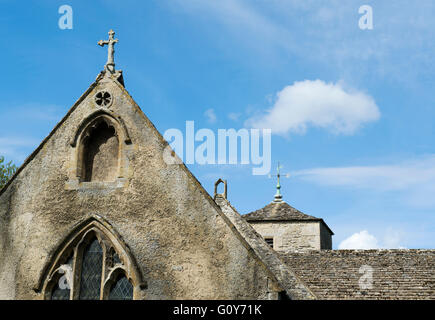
(104, 159)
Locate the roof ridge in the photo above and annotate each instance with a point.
(272, 208)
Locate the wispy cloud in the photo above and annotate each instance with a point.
(380, 178)
(210, 115)
(243, 21)
(328, 31)
(15, 148)
(234, 116)
(318, 104)
(27, 124)
(415, 179)
(32, 111)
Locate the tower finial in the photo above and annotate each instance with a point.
(110, 64)
(278, 196)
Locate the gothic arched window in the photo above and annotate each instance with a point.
(100, 152)
(93, 265)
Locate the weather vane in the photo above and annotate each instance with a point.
(278, 195)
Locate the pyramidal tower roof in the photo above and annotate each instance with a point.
(279, 210)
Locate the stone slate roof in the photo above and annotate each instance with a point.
(280, 211)
(397, 274)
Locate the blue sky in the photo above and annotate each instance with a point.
(363, 159)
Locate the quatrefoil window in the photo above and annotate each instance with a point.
(103, 98)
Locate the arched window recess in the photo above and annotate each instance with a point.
(110, 117)
(99, 151)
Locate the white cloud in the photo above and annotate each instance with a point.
(317, 104)
(365, 240)
(210, 115)
(360, 240)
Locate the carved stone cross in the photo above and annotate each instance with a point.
(110, 64)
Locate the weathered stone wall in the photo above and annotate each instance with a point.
(289, 235)
(185, 247)
(394, 274)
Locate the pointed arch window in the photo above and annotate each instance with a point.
(93, 265)
(99, 152)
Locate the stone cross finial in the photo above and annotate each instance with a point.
(110, 64)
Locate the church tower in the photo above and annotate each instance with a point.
(287, 229)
